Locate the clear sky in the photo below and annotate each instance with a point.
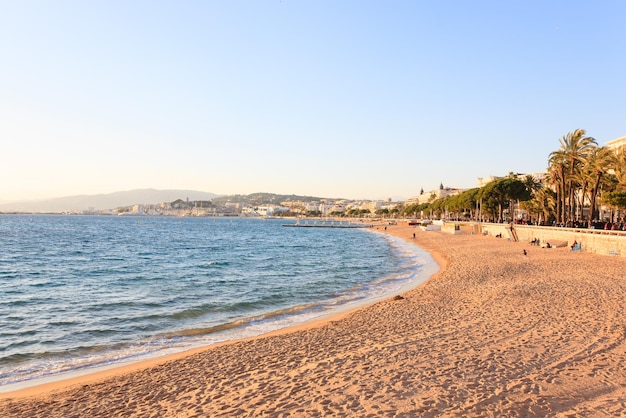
(356, 99)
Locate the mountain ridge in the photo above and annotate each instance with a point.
(105, 201)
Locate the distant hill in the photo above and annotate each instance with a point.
(266, 198)
(105, 201)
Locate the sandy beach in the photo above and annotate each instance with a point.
(495, 333)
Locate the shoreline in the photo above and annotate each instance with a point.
(82, 376)
(493, 333)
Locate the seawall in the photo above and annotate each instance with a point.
(592, 240)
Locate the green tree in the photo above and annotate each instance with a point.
(615, 199)
(465, 203)
(502, 193)
(415, 209)
(574, 150)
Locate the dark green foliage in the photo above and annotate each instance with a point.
(500, 194)
(615, 199)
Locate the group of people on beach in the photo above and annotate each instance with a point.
(537, 242)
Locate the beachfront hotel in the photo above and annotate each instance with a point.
(427, 197)
(616, 144)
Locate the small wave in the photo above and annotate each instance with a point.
(54, 355)
(32, 366)
(19, 344)
(203, 331)
(239, 323)
(21, 302)
(14, 359)
(193, 312)
(210, 264)
(259, 303)
(122, 306)
(63, 323)
(4, 275)
(18, 333)
(99, 333)
(47, 283)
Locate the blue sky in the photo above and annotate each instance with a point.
(354, 99)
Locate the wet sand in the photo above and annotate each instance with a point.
(495, 333)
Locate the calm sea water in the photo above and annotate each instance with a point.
(79, 292)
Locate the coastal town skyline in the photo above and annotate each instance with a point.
(357, 100)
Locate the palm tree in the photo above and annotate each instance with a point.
(582, 178)
(575, 147)
(620, 166)
(599, 162)
(541, 206)
(546, 201)
(556, 178)
(531, 184)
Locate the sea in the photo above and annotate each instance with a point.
(85, 293)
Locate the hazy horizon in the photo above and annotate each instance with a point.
(358, 99)
(36, 199)
(166, 190)
(119, 199)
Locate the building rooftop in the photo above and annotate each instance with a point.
(616, 143)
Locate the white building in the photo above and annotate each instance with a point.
(325, 208)
(482, 181)
(269, 210)
(616, 143)
(337, 209)
(372, 206)
(138, 209)
(430, 196)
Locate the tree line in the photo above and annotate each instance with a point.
(580, 177)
